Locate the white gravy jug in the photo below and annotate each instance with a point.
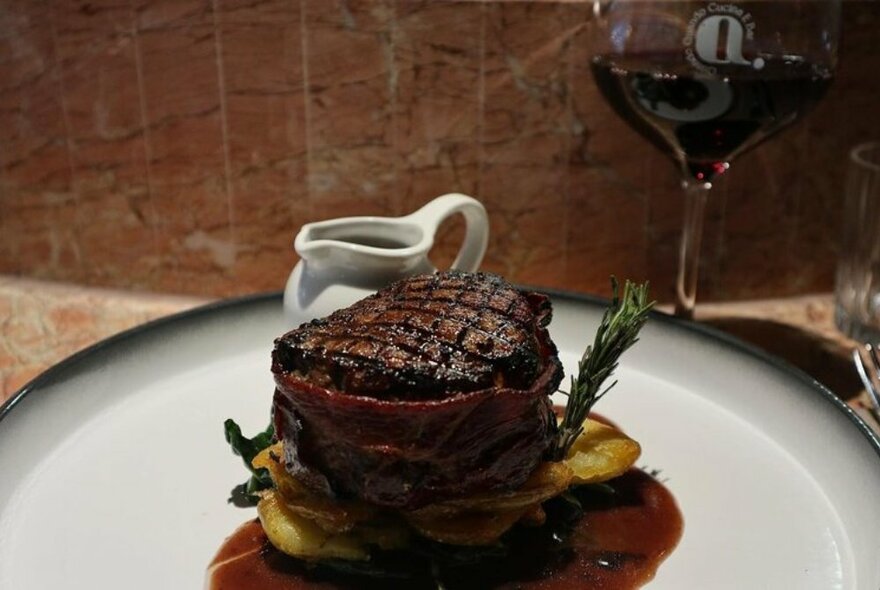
(344, 260)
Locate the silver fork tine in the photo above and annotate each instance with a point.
(874, 359)
(860, 369)
(869, 381)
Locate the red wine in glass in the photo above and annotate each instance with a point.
(705, 121)
(706, 81)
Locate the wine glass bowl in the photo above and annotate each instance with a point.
(707, 81)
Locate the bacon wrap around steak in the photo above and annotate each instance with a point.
(433, 388)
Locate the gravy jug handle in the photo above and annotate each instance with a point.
(476, 237)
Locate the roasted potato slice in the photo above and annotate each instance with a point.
(306, 524)
(385, 533)
(549, 479)
(332, 515)
(601, 453)
(481, 519)
(466, 527)
(300, 537)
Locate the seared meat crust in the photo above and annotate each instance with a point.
(433, 388)
(422, 338)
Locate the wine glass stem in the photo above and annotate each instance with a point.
(695, 194)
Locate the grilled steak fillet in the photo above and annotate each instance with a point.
(434, 388)
(422, 338)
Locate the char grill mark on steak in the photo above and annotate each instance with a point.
(482, 323)
(480, 300)
(383, 343)
(421, 338)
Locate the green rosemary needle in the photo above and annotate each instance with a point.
(618, 331)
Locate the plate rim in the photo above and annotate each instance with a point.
(81, 359)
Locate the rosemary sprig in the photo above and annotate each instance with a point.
(618, 331)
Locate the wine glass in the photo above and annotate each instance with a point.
(707, 81)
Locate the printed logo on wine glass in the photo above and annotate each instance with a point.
(716, 36)
(685, 100)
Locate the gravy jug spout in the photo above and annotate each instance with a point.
(363, 242)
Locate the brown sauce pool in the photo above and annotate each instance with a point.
(627, 527)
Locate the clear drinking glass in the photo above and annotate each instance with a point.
(857, 289)
(707, 81)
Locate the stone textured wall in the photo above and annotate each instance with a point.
(178, 145)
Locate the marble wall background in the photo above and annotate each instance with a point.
(178, 145)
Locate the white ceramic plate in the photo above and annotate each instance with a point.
(114, 472)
